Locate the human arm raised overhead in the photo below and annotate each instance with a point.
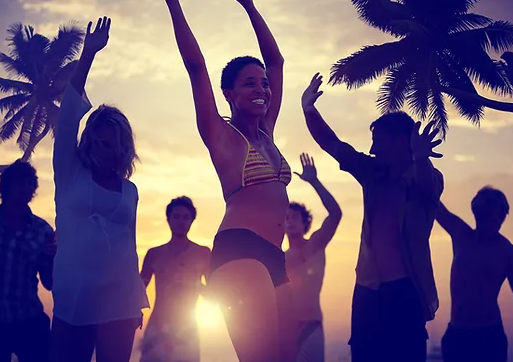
(325, 233)
(349, 159)
(451, 223)
(211, 126)
(273, 61)
(75, 103)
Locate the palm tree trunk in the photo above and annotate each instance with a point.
(28, 152)
(489, 103)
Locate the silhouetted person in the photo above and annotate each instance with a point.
(482, 261)
(27, 247)
(172, 332)
(306, 262)
(98, 293)
(395, 292)
(247, 267)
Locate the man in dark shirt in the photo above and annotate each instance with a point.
(27, 247)
(395, 292)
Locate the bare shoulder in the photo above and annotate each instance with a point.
(200, 249)
(155, 251)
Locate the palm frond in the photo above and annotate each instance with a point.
(11, 125)
(28, 48)
(437, 110)
(497, 36)
(52, 112)
(507, 65)
(15, 68)
(15, 86)
(443, 7)
(40, 119)
(60, 79)
(65, 47)
(469, 21)
(480, 67)
(453, 76)
(418, 95)
(13, 103)
(369, 63)
(382, 14)
(392, 93)
(26, 127)
(17, 40)
(508, 58)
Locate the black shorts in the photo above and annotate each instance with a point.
(388, 325)
(235, 244)
(488, 344)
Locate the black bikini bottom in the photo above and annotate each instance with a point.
(235, 244)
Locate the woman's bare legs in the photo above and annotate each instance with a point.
(248, 301)
(288, 323)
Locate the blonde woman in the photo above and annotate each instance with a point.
(98, 293)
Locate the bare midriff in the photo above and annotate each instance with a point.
(474, 304)
(477, 275)
(260, 208)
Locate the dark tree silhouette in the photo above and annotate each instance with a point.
(507, 64)
(39, 69)
(442, 49)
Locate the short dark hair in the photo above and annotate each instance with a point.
(489, 198)
(397, 123)
(233, 68)
(181, 201)
(18, 170)
(306, 215)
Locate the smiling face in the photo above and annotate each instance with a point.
(251, 93)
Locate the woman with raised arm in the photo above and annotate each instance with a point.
(97, 292)
(247, 263)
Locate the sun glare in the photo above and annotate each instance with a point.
(208, 314)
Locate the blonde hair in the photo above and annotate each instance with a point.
(125, 145)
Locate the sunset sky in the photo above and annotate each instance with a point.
(141, 72)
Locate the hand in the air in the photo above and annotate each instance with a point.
(97, 40)
(245, 3)
(309, 171)
(422, 144)
(312, 93)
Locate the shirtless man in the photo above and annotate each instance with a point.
(306, 261)
(178, 266)
(482, 261)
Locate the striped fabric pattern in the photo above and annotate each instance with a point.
(257, 170)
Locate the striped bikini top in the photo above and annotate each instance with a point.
(258, 170)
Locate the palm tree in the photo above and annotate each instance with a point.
(507, 64)
(442, 48)
(39, 69)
